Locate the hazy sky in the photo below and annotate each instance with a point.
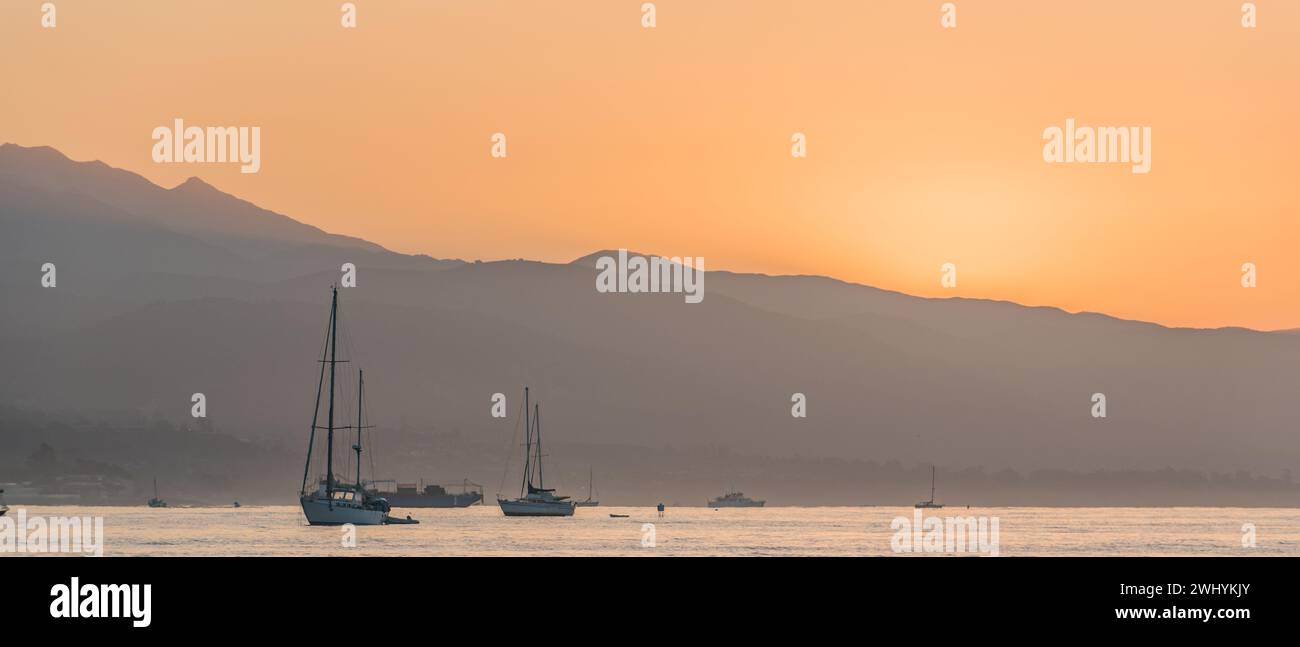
(924, 144)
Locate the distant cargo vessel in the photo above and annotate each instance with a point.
(408, 495)
(735, 500)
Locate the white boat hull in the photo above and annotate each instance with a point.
(319, 512)
(526, 508)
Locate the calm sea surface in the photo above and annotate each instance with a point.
(282, 530)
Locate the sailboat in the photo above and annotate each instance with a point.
(156, 502)
(589, 502)
(534, 500)
(929, 503)
(333, 502)
(3, 508)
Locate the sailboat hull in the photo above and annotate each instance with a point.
(586, 504)
(527, 508)
(320, 513)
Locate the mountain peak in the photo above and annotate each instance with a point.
(31, 153)
(193, 206)
(192, 183)
(590, 259)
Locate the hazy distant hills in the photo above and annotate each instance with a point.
(166, 292)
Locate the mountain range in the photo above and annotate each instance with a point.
(162, 293)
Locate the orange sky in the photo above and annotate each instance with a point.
(925, 144)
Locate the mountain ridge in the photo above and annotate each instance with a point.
(197, 187)
(146, 314)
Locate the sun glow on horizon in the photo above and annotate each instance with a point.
(924, 144)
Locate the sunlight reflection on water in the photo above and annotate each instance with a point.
(282, 530)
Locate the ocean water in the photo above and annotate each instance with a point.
(775, 531)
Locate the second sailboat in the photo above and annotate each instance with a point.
(534, 500)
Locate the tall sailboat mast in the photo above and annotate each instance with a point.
(537, 420)
(528, 448)
(360, 382)
(329, 456)
(311, 440)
